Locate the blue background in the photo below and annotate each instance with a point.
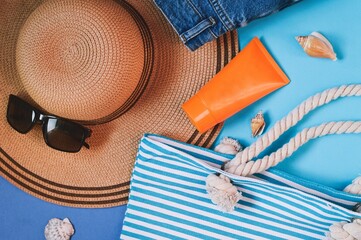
(332, 160)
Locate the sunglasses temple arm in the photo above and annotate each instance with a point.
(88, 134)
(86, 145)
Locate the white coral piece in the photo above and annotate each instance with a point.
(58, 229)
(345, 230)
(228, 145)
(354, 187)
(222, 192)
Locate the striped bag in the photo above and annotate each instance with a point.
(170, 199)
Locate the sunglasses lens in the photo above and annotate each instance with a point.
(20, 115)
(63, 135)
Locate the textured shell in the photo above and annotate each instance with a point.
(337, 231)
(229, 146)
(316, 45)
(58, 229)
(354, 187)
(353, 229)
(345, 230)
(258, 124)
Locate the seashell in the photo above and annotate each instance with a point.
(354, 228)
(316, 45)
(345, 230)
(229, 146)
(258, 124)
(354, 187)
(58, 229)
(336, 231)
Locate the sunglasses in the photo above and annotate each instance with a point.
(59, 133)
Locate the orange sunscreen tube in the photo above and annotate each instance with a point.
(249, 76)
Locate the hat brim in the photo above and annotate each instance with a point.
(99, 177)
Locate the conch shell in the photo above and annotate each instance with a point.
(258, 124)
(316, 45)
(58, 229)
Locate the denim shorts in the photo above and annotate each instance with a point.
(200, 21)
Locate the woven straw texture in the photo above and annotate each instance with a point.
(116, 66)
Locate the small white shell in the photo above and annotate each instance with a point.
(58, 229)
(228, 145)
(345, 230)
(354, 228)
(354, 187)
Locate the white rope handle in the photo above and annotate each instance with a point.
(260, 165)
(292, 119)
(242, 165)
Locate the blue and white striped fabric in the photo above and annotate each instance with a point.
(168, 199)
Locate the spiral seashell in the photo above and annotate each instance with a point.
(316, 45)
(58, 229)
(258, 124)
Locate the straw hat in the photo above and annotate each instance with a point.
(117, 67)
